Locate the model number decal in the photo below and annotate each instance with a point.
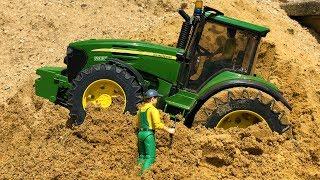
(100, 58)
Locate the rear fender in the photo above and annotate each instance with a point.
(231, 84)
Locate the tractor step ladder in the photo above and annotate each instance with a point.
(183, 100)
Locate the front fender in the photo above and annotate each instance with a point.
(131, 69)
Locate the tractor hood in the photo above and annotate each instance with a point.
(126, 47)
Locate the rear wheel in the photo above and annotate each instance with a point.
(243, 107)
(102, 85)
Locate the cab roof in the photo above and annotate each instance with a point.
(217, 16)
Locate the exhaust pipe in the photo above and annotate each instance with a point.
(185, 30)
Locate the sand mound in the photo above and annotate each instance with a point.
(36, 144)
(36, 33)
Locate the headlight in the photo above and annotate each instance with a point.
(69, 50)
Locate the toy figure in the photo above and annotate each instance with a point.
(148, 121)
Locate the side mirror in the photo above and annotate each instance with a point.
(181, 57)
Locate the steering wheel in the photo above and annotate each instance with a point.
(203, 51)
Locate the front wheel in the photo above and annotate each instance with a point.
(243, 107)
(103, 85)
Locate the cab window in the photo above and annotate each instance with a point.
(220, 47)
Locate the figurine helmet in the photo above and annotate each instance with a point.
(151, 93)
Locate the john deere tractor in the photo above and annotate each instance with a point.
(208, 76)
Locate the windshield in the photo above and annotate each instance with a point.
(222, 47)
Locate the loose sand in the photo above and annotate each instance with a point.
(36, 144)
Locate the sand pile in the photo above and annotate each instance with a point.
(36, 33)
(36, 144)
(289, 57)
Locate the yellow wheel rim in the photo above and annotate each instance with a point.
(102, 93)
(240, 118)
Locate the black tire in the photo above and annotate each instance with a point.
(101, 71)
(240, 98)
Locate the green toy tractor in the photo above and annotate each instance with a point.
(208, 76)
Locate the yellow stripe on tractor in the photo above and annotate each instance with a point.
(136, 53)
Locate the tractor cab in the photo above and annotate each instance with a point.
(219, 52)
(222, 48)
(217, 43)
